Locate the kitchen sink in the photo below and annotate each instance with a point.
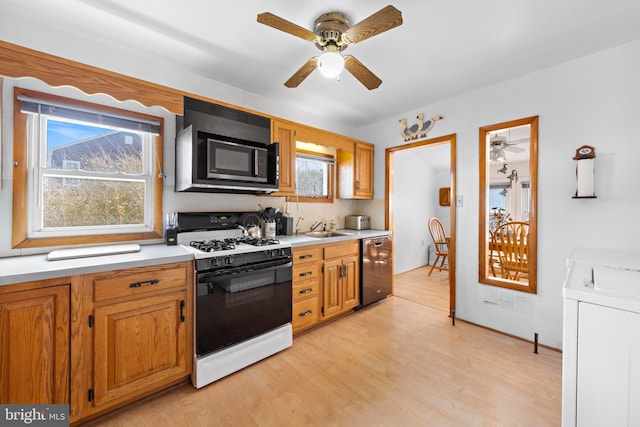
(325, 234)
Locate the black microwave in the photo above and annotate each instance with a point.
(239, 162)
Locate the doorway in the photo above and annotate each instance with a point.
(392, 154)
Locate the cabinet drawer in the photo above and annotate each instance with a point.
(306, 254)
(126, 283)
(305, 313)
(304, 272)
(305, 290)
(338, 251)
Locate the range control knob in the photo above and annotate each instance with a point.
(214, 262)
(228, 260)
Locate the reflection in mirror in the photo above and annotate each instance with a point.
(508, 199)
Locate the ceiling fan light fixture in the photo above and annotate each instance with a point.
(331, 64)
(497, 155)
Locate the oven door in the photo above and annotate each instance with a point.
(235, 304)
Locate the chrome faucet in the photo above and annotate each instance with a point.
(297, 224)
(317, 224)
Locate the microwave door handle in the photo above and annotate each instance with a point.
(255, 162)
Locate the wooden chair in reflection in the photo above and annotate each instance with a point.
(510, 241)
(441, 243)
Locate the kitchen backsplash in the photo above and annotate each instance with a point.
(310, 212)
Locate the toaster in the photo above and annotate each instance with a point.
(357, 222)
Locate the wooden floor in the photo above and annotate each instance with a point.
(399, 362)
(417, 286)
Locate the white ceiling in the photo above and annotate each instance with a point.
(442, 49)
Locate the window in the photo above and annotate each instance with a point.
(525, 197)
(92, 173)
(314, 177)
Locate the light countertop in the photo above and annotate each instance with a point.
(37, 267)
(302, 240)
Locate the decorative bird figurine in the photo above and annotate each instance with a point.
(408, 133)
(425, 127)
(503, 169)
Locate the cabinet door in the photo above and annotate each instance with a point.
(363, 171)
(331, 290)
(139, 344)
(284, 133)
(350, 282)
(34, 355)
(608, 374)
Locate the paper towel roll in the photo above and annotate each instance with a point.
(584, 174)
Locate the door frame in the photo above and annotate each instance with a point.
(388, 197)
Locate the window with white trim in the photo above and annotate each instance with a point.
(92, 170)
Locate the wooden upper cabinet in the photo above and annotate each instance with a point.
(34, 355)
(364, 171)
(355, 172)
(285, 133)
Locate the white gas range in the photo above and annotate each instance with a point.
(243, 293)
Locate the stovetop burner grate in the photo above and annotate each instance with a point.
(254, 241)
(212, 245)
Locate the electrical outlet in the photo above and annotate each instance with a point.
(458, 201)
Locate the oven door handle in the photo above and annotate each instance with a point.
(242, 271)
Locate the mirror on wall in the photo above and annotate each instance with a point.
(508, 201)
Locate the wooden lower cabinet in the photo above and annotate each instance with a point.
(325, 282)
(340, 285)
(138, 344)
(136, 338)
(306, 282)
(34, 332)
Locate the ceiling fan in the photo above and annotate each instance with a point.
(498, 142)
(332, 34)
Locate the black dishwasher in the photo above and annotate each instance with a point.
(376, 269)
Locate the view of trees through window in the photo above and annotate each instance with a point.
(312, 177)
(92, 176)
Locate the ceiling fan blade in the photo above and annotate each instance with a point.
(362, 73)
(302, 73)
(514, 149)
(278, 23)
(381, 21)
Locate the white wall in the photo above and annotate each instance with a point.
(416, 199)
(593, 100)
(413, 204)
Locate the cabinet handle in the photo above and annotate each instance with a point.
(357, 185)
(305, 313)
(144, 282)
(306, 273)
(182, 304)
(305, 256)
(305, 291)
